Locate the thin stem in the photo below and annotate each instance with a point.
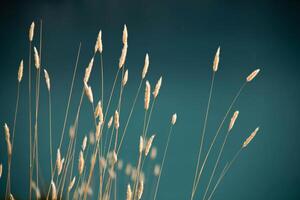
(163, 162)
(203, 131)
(30, 131)
(217, 133)
(50, 131)
(16, 113)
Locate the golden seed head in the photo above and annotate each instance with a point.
(125, 78)
(88, 92)
(37, 61)
(157, 87)
(110, 121)
(146, 66)
(31, 31)
(156, 170)
(233, 119)
(58, 158)
(80, 163)
(54, 192)
(71, 184)
(174, 118)
(1, 168)
(250, 138)
(147, 95)
(84, 142)
(98, 45)
(116, 121)
(153, 153)
(125, 35)
(123, 56)
(252, 75)
(216, 60)
(129, 193)
(141, 144)
(140, 189)
(88, 71)
(149, 144)
(20, 71)
(47, 79)
(99, 112)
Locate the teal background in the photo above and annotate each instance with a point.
(181, 38)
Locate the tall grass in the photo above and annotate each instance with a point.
(93, 168)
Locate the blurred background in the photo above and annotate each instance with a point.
(181, 38)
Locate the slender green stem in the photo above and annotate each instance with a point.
(50, 131)
(30, 131)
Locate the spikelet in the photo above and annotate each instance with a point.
(174, 118)
(102, 163)
(7, 139)
(54, 192)
(140, 189)
(252, 75)
(120, 164)
(153, 153)
(216, 60)
(114, 157)
(156, 170)
(20, 71)
(88, 92)
(248, 140)
(233, 119)
(149, 144)
(80, 163)
(98, 45)
(71, 184)
(37, 61)
(31, 31)
(1, 169)
(157, 88)
(47, 79)
(129, 193)
(91, 138)
(141, 144)
(125, 35)
(88, 71)
(84, 142)
(72, 132)
(58, 159)
(60, 167)
(36, 189)
(147, 95)
(125, 78)
(146, 66)
(123, 56)
(98, 131)
(110, 121)
(116, 121)
(11, 197)
(99, 112)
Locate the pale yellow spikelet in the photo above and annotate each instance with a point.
(98, 45)
(20, 71)
(11, 197)
(47, 79)
(58, 158)
(146, 66)
(91, 138)
(112, 173)
(125, 35)
(140, 189)
(98, 131)
(129, 193)
(31, 31)
(110, 121)
(54, 192)
(7, 132)
(149, 144)
(174, 118)
(114, 157)
(84, 142)
(120, 164)
(60, 167)
(216, 60)
(88, 71)
(128, 169)
(72, 132)
(102, 163)
(80, 163)
(233, 119)
(147, 95)
(99, 112)
(153, 153)
(116, 120)
(141, 144)
(156, 170)
(93, 161)
(37, 61)
(125, 78)
(252, 75)
(1, 169)
(250, 138)
(71, 184)
(7, 139)
(88, 92)
(123, 56)
(157, 87)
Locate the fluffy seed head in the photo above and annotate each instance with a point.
(129, 193)
(7, 139)
(37, 61)
(88, 92)
(71, 184)
(216, 60)
(58, 158)
(174, 118)
(20, 71)
(88, 71)
(31, 31)
(47, 79)
(110, 121)
(141, 145)
(233, 119)
(147, 95)
(149, 144)
(125, 35)
(252, 75)
(125, 78)
(140, 189)
(98, 45)
(157, 87)
(123, 56)
(80, 163)
(84, 142)
(146, 66)
(116, 121)
(54, 192)
(250, 138)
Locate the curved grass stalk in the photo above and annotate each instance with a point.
(29, 106)
(163, 162)
(216, 135)
(224, 171)
(50, 131)
(203, 131)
